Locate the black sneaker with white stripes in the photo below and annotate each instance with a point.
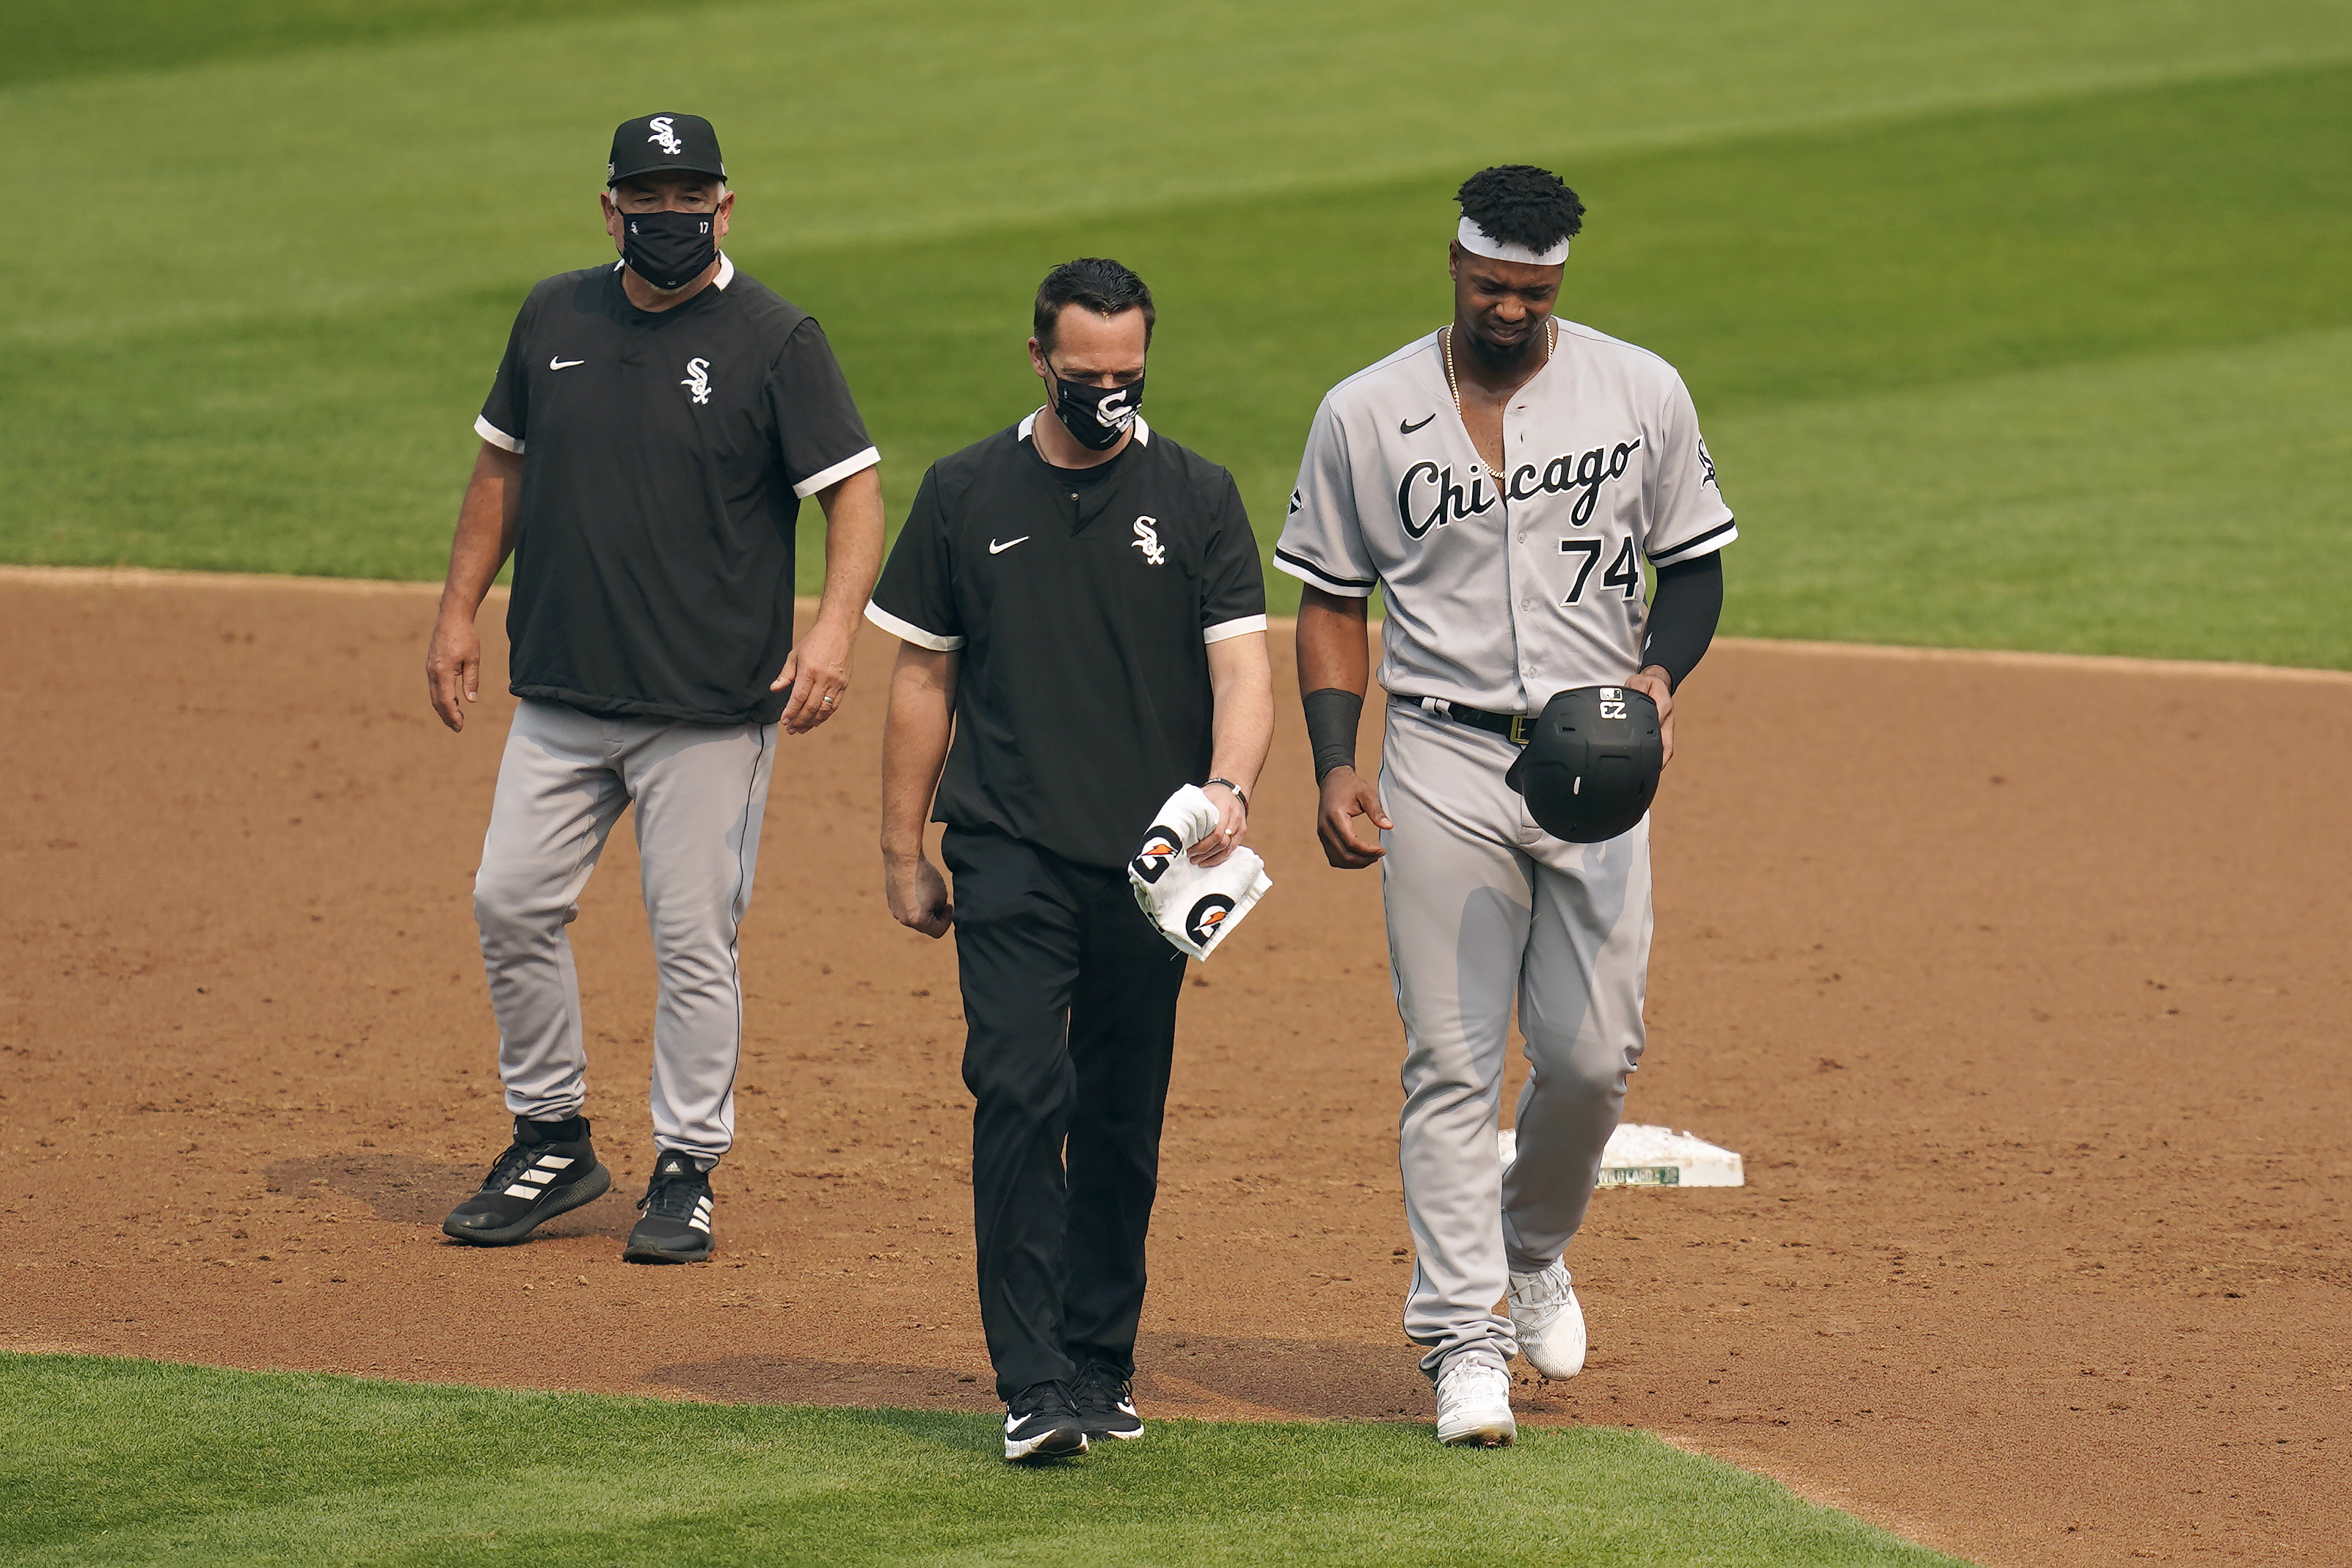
(676, 1226)
(1104, 1398)
(1041, 1423)
(549, 1169)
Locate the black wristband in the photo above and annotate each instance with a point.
(1235, 788)
(1332, 715)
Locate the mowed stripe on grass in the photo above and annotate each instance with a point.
(127, 1461)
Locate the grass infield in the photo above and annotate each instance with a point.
(2009, 326)
(121, 1462)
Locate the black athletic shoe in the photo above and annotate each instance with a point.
(676, 1226)
(1106, 1402)
(549, 1169)
(1042, 1423)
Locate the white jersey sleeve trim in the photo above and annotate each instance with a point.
(1715, 539)
(1242, 627)
(1306, 571)
(907, 632)
(837, 473)
(494, 435)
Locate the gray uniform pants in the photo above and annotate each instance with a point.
(701, 791)
(1484, 905)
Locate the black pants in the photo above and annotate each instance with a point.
(1069, 1006)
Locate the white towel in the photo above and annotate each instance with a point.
(1195, 906)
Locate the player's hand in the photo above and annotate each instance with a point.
(1652, 682)
(918, 896)
(453, 669)
(1347, 795)
(817, 670)
(1233, 820)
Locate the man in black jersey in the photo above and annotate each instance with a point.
(655, 426)
(1083, 616)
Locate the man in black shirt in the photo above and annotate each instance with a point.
(1081, 609)
(654, 428)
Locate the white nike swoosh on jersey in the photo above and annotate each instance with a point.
(995, 549)
(563, 364)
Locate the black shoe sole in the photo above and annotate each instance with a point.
(638, 1251)
(562, 1200)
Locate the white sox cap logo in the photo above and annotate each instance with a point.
(667, 139)
(1146, 539)
(698, 379)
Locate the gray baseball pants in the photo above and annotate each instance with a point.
(701, 791)
(1483, 906)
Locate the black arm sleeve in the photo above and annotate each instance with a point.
(1689, 601)
(1332, 715)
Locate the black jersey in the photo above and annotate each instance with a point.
(1083, 602)
(664, 457)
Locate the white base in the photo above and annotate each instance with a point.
(1654, 1156)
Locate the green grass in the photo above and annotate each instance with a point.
(91, 37)
(108, 1461)
(2010, 325)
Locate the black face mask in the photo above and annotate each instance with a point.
(1097, 417)
(669, 250)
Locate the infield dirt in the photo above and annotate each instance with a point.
(2020, 983)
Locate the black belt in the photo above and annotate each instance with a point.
(1511, 726)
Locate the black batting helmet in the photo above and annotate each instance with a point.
(1591, 763)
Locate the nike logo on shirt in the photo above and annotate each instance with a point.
(995, 549)
(567, 364)
(1404, 429)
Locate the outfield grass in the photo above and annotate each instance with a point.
(128, 1462)
(2011, 325)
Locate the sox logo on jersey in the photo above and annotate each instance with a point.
(1146, 539)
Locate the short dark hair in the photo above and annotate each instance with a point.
(1097, 282)
(1521, 204)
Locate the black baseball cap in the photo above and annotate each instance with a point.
(654, 142)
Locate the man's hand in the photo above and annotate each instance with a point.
(1347, 795)
(1652, 682)
(917, 895)
(453, 669)
(1233, 821)
(817, 670)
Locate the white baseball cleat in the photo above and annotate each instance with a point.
(1473, 1403)
(1549, 1323)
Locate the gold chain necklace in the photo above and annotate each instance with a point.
(1445, 347)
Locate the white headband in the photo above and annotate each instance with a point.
(1478, 242)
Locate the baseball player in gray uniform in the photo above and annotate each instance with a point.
(1502, 480)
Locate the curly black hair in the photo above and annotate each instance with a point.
(1521, 204)
(1098, 283)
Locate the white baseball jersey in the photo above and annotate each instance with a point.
(1503, 593)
